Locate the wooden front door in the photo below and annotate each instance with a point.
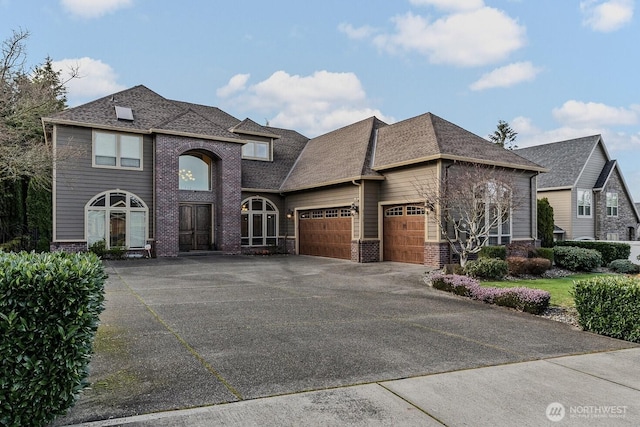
(195, 227)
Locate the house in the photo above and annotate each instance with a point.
(137, 170)
(585, 187)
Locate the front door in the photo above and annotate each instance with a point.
(195, 227)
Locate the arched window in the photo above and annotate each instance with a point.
(195, 172)
(119, 218)
(259, 222)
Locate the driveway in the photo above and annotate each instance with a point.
(195, 331)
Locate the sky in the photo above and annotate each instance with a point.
(554, 70)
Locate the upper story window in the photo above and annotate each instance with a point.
(612, 204)
(117, 150)
(195, 172)
(257, 150)
(584, 203)
(494, 211)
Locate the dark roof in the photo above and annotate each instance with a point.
(604, 175)
(249, 127)
(564, 159)
(338, 156)
(263, 175)
(428, 137)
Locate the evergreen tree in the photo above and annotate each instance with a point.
(504, 136)
(545, 223)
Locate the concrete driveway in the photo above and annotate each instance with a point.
(195, 331)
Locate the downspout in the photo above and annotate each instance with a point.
(534, 208)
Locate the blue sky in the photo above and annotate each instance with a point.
(553, 69)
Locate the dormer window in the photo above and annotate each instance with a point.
(257, 150)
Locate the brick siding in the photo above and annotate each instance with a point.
(365, 251)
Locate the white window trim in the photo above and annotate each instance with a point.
(269, 145)
(250, 211)
(578, 198)
(107, 209)
(117, 166)
(499, 234)
(612, 207)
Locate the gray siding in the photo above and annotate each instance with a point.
(77, 181)
(369, 209)
(586, 227)
(523, 222)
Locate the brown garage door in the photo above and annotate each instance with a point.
(403, 236)
(325, 232)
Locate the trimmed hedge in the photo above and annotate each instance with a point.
(519, 266)
(609, 250)
(577, 259)
(487, 268)
(533, 301)
(609, 305)
(623, 266)
(545, 253)
(49, 308)
(499, 252)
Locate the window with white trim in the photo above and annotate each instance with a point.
(117, 217)
(256, 150)
(194, 172)
(612, 205)
(584, 203)
(117, 150)
(495, 200)
(394, 211)
(259, 222)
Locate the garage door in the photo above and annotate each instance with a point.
(325, 232)
(403, 235)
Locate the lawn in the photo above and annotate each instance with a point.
(560, 288)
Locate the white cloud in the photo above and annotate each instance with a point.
(94, 8)
(236, 83)
(359, 33)
(314, 104)
(577, 113)
(606, 16)
(470, 38)
(507, 76)
(450, 4)
(95, 79)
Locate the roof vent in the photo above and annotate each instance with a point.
(124, 113)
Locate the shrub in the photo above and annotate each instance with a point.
(545, 253)
(609, 305)
(623, 266)
(519, 266)
(499, 252)
(487, 268)
(49, 308)
(521, 249)
(533, 301)
(545, 223)
(577, 259)
(609, 250)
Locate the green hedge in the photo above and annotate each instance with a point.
(609, 250)
(609, 305)
(499, 252)
(487, 268)
(577, 259)
(49, 308)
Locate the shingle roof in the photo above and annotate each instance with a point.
(258, 174)
(338, 156)
(604, 175)
(428, 137)
(249, 127)
(564, 159)
(151, 112)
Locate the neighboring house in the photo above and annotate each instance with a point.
(136, 169)
(585, 187)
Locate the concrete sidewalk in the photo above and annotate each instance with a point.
(600, 389)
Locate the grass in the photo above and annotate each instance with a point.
(560, 288)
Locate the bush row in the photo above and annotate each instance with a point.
(609, 305)
(533, 301)
(497, 269)
(608, 250)
(49, 308)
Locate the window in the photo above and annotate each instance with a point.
(584, 203)
(195, 172)
(495, 210)
(317, 214)
(256, 150)
(115, 150)
(612, 205)
(331, 213)
(415, 210)
(117, 217)
(394, 211)
(259, 222)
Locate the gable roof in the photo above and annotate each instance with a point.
(339, 156)
(604, 175)
(249, 127)
(151, 113)
(564, 159)
(429, 137)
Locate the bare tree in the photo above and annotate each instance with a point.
(471, 203)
